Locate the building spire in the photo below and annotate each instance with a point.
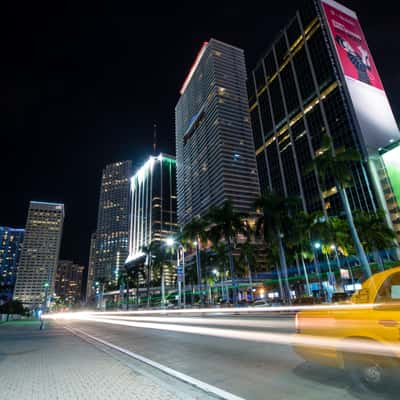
(155, 139)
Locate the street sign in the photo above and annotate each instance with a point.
(180, 273)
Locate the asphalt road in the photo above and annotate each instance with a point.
(252, 370)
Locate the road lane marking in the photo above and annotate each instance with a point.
(205, 387)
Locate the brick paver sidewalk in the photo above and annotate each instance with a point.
(54, 364)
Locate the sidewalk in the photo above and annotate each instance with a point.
(54, 364)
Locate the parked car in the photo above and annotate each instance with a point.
(261, 303)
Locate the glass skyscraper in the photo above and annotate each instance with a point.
(112, 221)
(39, 255)
(307, 85)
(11, 240)
(152, 204)
(214, 144)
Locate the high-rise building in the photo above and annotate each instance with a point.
(112, 221)
(91, 266)
(39, 255)
(152, 204)
(214, 143)
(10, 249)
(318, 77)
(68, 282)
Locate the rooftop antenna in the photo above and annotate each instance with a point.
(155, 139)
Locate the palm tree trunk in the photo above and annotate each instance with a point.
(127, 294)
(378, 259)
(250, 279)
(306, 276)
(282, 260)
(198, 265)
(162, 287)
(359, 247)
(148, 283)
(281, 290)
(232, 271)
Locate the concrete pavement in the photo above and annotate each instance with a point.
(54, 364)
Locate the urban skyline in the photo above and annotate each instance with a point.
(367, 204)
(211, 199)
(127, 131)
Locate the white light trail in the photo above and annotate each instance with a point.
(320, 342)
(216, 311)
(232, 322)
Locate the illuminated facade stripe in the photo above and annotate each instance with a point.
(153, 204)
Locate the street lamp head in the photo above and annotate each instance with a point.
(333, 247)
(317, 245)
(215, 272)
(169, 241)
(194, 243)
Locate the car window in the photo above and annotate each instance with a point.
(390, 290)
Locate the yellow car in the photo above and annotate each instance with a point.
(361, 336)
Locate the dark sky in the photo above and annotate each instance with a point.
(81, 84)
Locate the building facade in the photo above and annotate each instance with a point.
(39, 255)
(214, 143)
(68, 282)
(112, 221)
(11, 240)
(152, 204)
(90, 270)
(314, 80)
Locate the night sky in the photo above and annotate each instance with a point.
(82, 83)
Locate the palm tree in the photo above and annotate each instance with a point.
(225, 223)
(299, 239)
(148, 250)
(222, 259)
(329, 164)
(273, 222)
(195, 232)
(247, 259)
(374, 233)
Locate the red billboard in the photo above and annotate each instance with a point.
(351, 46)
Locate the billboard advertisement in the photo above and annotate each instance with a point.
(392, 164)
(374, 114)
(351, 46)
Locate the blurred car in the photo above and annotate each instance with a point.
(261, 303)
(369, 334)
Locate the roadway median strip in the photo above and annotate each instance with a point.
(205, 387)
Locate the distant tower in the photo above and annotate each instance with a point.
(154, 139)
(112, 221)
(39, 256)
(68, 283)
(10, 249)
